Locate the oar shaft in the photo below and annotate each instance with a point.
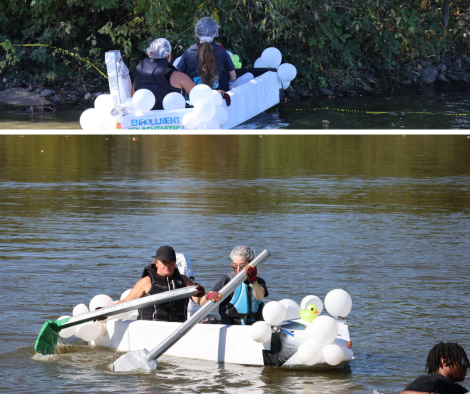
(167, 296)
(228, 289)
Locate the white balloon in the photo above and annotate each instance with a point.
(333, 354)
(272, 57)
(204, 110)
(133, 316)
(286, 72)
(211, 124)
(190, 121)
(338, 303)
(89, 119)
(260, 332)
(217, 98)
(311, 299)
(173, 100)
(292, 309)
(309, 352)
(285, 85)
(229, 53)
(125, 294)
(106, 122)
(80, 309)
(200, 92)
(323, 330)
(143, 100)
(89, 331)
(221, 115)
(177, 60)
(104, 103)
(259, 63)
(66, 332)
(274, 313)
(101, 300)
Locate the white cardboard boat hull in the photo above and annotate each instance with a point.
(247, 101)
(212, 342)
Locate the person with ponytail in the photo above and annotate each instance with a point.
(206, 61)
(156, 74)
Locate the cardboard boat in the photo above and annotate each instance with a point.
(247, 101)
(219, 342)
(222, 343)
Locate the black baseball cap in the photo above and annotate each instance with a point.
(165, 252)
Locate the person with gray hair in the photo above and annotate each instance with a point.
(206, 61)
(156, 74)
(244, 306)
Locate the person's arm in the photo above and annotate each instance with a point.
(133, 90)
(199, 294)
(138, 291)
(233, 75)
(182, 81)
(258, 290)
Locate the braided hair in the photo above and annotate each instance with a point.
(451, 352)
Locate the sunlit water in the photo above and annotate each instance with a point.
(428, 108)
(385, 217)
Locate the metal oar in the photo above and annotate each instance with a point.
(144, 359)
(49, 334)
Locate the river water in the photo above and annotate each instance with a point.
(386, 218)
(427, 108)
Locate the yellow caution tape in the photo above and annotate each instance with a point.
(354, 111)
(66, 52)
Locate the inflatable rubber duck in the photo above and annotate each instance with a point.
(310, 313)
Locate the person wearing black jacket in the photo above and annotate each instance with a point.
(446, 365)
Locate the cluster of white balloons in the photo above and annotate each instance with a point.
(272, 58)
(99, 118)
(91, 330)
(208, 113)
(319, 348)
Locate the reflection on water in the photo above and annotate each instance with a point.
(427, 108)
(384, 217)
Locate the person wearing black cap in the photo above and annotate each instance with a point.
(160, 276)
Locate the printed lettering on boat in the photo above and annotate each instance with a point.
(155, 121)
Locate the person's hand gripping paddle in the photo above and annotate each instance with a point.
(144, 359)
(49, 334)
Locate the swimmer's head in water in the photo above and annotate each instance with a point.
(159, 49)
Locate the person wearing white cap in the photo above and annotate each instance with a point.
(156, 74)
(206, 61)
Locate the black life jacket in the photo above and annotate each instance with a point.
(193, 64)
(243, 307)
(150, 74)
(174, 311)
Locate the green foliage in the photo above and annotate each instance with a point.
(317, 36)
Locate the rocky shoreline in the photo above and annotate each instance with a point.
(442, 73)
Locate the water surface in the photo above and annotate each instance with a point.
(384, 217)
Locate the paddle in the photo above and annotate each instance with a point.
(49, 334)
(144, 359)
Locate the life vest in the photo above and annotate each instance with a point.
(173, 311)
(244, 308)
(221, 80)
(150, 74)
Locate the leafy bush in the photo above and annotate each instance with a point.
(317, 36)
